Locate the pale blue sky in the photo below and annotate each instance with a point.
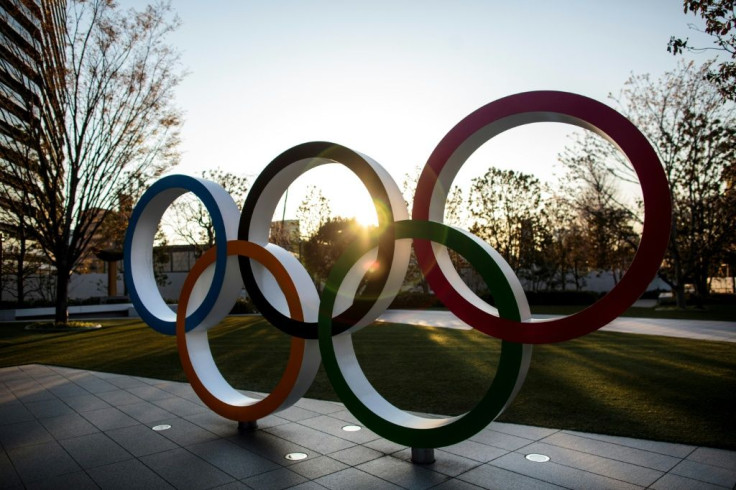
(390, 78)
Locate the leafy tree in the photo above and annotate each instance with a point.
(692, 130)
(720, 22)
(192, 222)
(566, 248)
(327, 244)
(100, 124)
(506, 209)
(604, 220)
(455, 208)
(313, 212)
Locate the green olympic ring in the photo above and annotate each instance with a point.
(367, 405)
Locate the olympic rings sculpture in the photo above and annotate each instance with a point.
(322, 328)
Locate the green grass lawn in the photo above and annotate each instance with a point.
(649, 387)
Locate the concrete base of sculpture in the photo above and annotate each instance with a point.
(248, 426)
(422, 455)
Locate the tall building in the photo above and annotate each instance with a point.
(31, 74)
(31, 77)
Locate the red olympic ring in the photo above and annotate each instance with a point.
(516, 110)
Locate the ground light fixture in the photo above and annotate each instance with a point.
(159, 428)
(351, 428)
(296, 456)
(537, 458)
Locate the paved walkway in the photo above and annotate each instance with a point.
(694, 329)
(68, 428)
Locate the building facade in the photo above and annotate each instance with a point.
(31, 74)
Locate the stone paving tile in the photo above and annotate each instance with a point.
(356, 455)
(310, 438)
(119, 397)
(725, 477)
(525, 431)
(145, 412)
(275, 480)
(617, 452)
(50, 380)
(35, 463)
(270, 447)
(354, 478)
(126, 475)
(140, 440)
(149, 393)
(236, 485)
(631, 473)
(346, 416)
(180, 406)
(500, 440)
(384, 446)
(476, 451)
(178, 389)
(319, 406)
(183, 432)
(6, 394)
(109, 418)
(675, 482)
(67, 371)
(558, 474)
(67, 390)
(714, 457)
(79, 480)
(19, 434)
(308, 485)
(668, 448)
(333, 426)
(48, 408)
(14, 412)
(125, 382)
(8, 476)
(402, 473)
(456, 484)
(148, 381)
(95, 385)
(493, 477)
(34, 394)
(234, 460)
(68, 426)
(182, 469)
(94, 450)
(271, 421)
(313, 468)
(216, 424)
(295, 414)
(85, 403)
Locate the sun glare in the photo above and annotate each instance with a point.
(366, 216)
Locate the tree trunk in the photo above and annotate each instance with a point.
(21, 271)
(62, 292)
(680, 300)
